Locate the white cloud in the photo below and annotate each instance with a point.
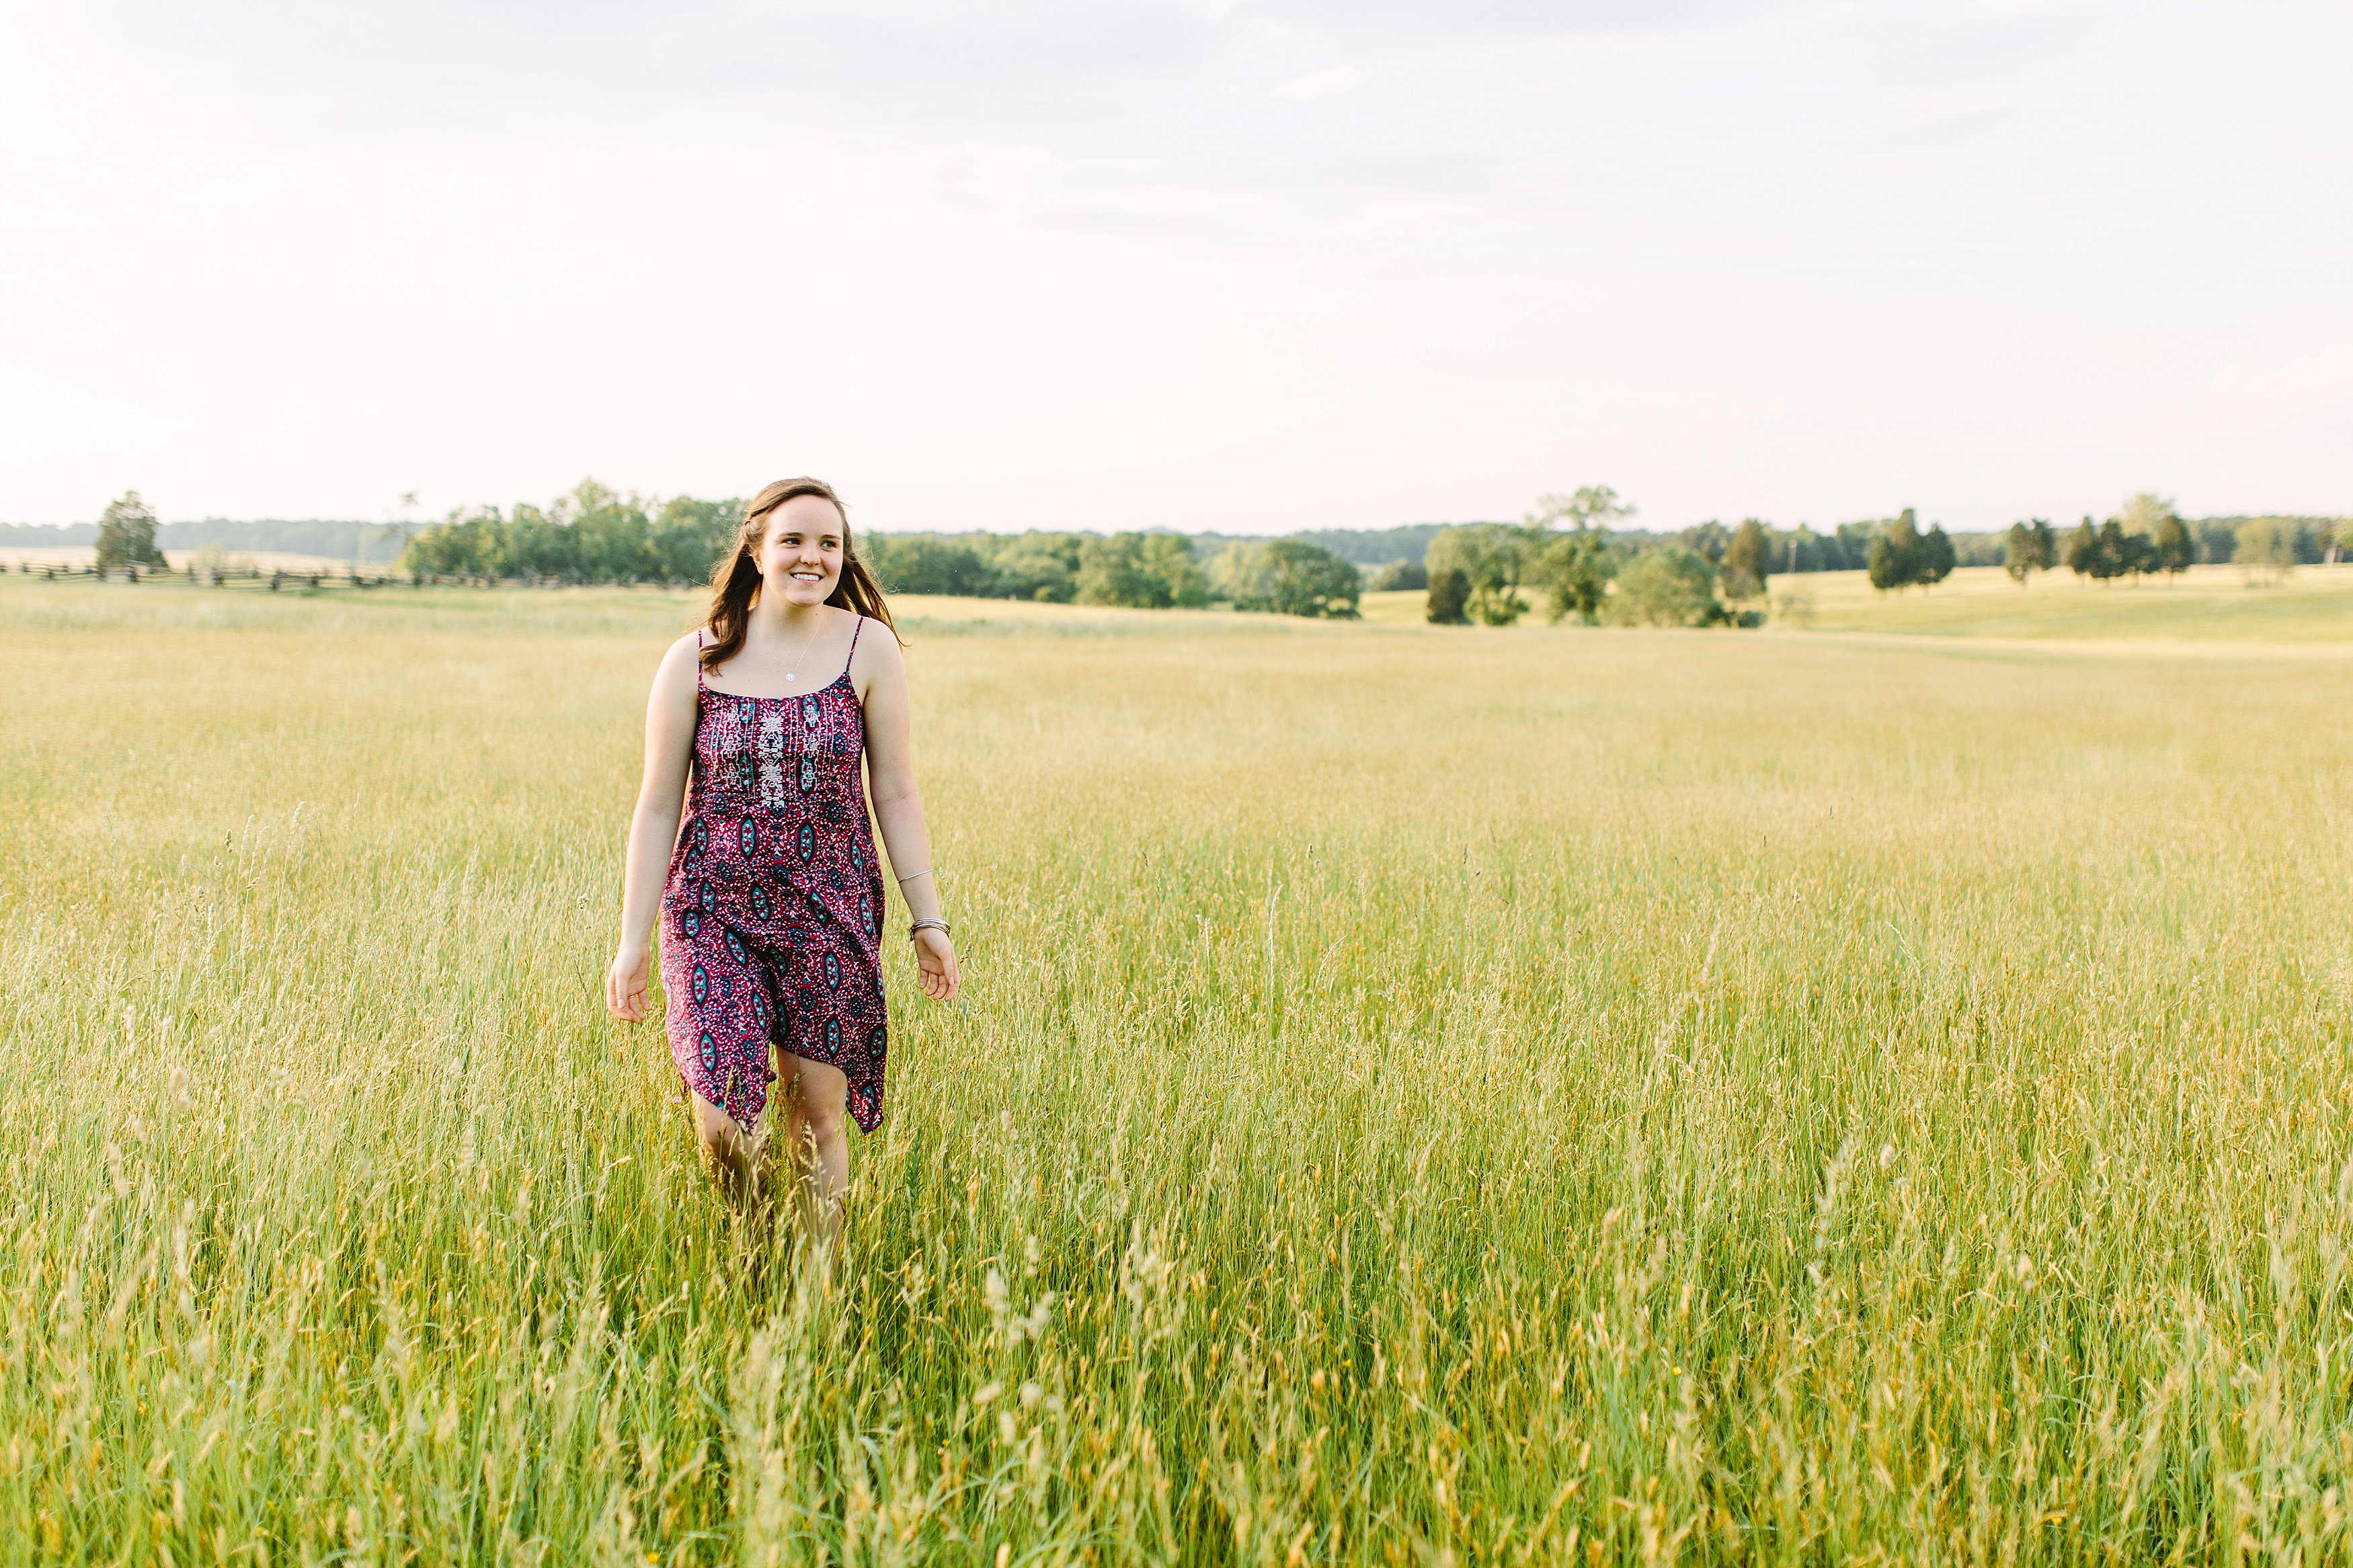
(1326, 83)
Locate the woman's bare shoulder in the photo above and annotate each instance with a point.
(677, 660)
(877, 641)
(876, 656)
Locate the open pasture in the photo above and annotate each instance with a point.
(1422, 1096)
(2312, 605)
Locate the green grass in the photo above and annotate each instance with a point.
(1422, 1095)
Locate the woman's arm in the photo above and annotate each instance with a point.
(653, 826)
(898, 808)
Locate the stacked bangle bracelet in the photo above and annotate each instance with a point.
(939, 926)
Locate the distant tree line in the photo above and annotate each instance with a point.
(378, 543)
(1572, 570)
(1571, 554)
(598, 535)
(1291, 577)
(1847, 547)
(1701, 576)
(2275, 543)
(591, 535)
(2148, 536)
(1566, 554)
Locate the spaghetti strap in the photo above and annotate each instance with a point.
(853, 643)
(699, 687)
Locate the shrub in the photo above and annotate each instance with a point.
(2029, 548)
(1748, 560)
(2266, 548)
(2176, 551)
(1491, 557)
(1290, 577)
(1450, 593)
(927, 564)
(1040, 566)
(1575, 569)
(1669, 586)
(126, 533)
(1142, 571)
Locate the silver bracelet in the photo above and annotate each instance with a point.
(939, 926)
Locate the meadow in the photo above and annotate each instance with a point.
(1422, 1096)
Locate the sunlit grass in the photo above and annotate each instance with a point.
(2312, 604)
(1546, 1095)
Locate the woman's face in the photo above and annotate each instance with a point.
(800, 555)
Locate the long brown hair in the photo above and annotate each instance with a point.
(736, 580)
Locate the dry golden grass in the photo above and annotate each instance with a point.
(2312, 605)
(1422, 1095)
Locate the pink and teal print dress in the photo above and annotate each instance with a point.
(771, 915)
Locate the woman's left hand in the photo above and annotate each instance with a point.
(935, 963)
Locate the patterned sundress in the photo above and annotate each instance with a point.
(772, 914)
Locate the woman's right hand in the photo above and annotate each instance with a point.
(625, 982)
(935, 965)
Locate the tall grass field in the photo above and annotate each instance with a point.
(1421, 1097)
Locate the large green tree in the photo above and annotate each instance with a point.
(1145, 571)
(1290, 577)
(1895, 554)
(611, 536)
(1449, 599)
(2123, 555)
(1748, 560)
(2141, 513)
(1573, 565)
(1041, 566)
(2027, 548)
(1935, 561)
(126, 534)
(593, 534)
(1668, 586)
(2176, 551)
(1902, 555)
(2082, 552)
(927, 564)
(1575, 569)
(2266, 548)
(1492, 557)
(689, 536)
(1587, 506)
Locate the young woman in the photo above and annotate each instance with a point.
(771, 897)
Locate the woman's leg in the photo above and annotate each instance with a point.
(816, 1101)
(733, 1152)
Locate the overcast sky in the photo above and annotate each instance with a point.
(1248, 265)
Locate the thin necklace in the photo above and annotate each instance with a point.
(806, 648)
